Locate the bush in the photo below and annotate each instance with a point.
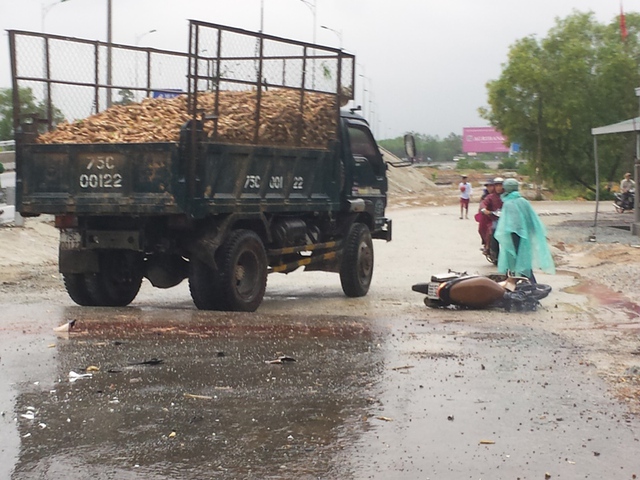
(576, 192)
(467, 164)
(508, 164)
(1, 168)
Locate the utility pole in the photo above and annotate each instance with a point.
(109, 41)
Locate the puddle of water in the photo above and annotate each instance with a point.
(212, 407)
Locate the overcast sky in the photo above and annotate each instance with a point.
(425, 62)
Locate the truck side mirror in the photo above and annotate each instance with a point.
(410, 146)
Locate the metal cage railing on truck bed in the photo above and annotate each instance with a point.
(70, 79)
(225, 59)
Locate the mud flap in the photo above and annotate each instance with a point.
(78, 261)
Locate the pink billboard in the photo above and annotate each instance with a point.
(482, 140)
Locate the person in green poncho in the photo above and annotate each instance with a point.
(521, 235)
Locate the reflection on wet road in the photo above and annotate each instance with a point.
(467, 400)
(191, 394)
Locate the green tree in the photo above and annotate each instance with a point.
(551, 92)
(28, 106)
(126, 97)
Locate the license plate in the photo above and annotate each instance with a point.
(70, 240)
(432, 290)
(99, 172)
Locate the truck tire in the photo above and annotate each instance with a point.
(118, 281)
(203, 285)
(76, 286)
(356, 268)
(242, 272)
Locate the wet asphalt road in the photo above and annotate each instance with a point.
(380, 387)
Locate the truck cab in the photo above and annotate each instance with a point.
(366, 177)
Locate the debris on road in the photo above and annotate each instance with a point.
(281, 359)
(151, 361)
(385, 419)
(405, 367)
(65, 327)
(201, 397)
(73, 376)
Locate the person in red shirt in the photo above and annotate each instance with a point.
(483, 220)
(490, 209)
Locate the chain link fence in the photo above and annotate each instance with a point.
(71, 79)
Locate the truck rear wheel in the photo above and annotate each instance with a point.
(118, 281)
(242, 272)
(76, 286)
(356, 269)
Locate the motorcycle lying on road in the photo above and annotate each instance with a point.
(459, 289)
(624, 203)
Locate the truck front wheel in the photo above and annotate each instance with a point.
(118, 281)
(356, 269)
(242, 272)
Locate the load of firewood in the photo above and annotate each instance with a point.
(283, 121)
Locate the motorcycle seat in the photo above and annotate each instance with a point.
(474, 292)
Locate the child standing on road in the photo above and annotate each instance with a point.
(465, 195)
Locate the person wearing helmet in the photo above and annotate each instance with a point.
(521, 235)
(490, 209)
(465, 196)
(487, 190)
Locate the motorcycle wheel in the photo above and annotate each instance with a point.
(433, 303)
(537, 291)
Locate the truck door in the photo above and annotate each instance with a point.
(368, 171)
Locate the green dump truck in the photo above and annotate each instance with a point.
(259, 171)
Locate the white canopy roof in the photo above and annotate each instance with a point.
(631, 125)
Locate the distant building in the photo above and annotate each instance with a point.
(483, 140)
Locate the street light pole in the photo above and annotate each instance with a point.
(45, 64)
(313, 7)
(109, 41)
(138, 39)
(142, 35)
(337, 32)
(46, 9)
(363, 96)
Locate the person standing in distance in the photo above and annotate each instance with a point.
(465, 195)
(521, 235)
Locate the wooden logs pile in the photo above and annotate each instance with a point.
(160, 120)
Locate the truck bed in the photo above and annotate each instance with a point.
(154, 179)
(98, 179)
